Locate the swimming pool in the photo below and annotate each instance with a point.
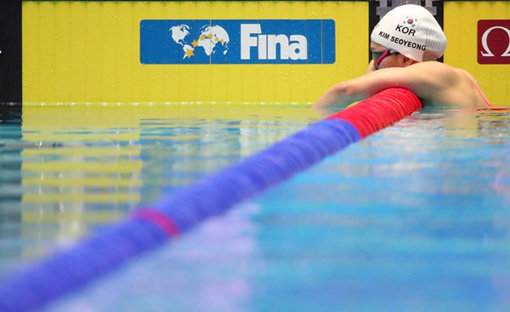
(412, 218)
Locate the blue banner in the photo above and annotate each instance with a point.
(237, 41)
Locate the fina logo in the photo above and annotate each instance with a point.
(237, 41)
(294, 48)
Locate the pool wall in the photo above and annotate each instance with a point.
(101, 51)
(93, 51)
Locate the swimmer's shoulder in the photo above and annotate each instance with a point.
(443, 70)
(432, 78)
(480, 98)
(434, 68)
(447, 85)
(467, 75)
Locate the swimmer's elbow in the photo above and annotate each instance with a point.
(343, 89)
(353, 91)
(336, 96)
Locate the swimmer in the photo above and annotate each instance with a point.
(405, 45)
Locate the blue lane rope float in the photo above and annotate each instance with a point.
(176, 213)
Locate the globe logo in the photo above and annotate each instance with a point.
(211, 39)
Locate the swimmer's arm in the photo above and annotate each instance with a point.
(337, 96)
(424, 79)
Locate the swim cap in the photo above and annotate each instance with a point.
(412, 31)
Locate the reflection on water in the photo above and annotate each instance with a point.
(413, 218)
(10, 183)
(82, 166)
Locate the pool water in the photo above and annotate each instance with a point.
(414, 218)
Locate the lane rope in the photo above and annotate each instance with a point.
(173, 214)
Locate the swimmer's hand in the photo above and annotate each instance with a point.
(371, 67)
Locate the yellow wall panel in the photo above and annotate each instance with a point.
(460, 25)
(90, 52)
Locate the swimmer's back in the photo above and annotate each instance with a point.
(451, 86)
(480, 96)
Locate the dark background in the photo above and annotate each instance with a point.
(10, 45)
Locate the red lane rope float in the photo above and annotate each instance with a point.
(379, 111)
(178, 212)
(157, 217)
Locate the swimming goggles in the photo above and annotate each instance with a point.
(378, 57)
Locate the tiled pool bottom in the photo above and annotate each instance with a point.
(413, 218)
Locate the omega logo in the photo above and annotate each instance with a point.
(485, 45)
(494, 41)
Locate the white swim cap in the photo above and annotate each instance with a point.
(412, 31)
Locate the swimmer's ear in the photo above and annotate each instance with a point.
(407, 60)
(429, 56)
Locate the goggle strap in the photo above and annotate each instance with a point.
(380, 58)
